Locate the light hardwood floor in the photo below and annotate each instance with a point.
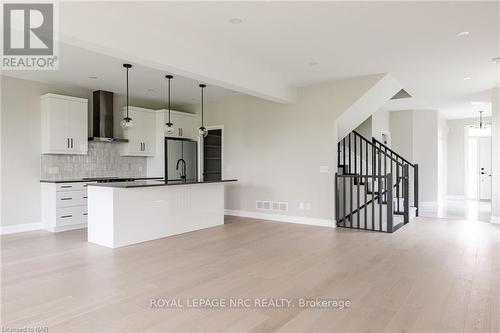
(432, 275)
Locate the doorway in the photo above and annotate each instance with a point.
(213, 154)
(478, 163)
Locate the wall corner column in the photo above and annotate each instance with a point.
(495, 156)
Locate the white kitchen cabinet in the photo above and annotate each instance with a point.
(64, 206)
(142, 137)
(64, 124)
(185, 124)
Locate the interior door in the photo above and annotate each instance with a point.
(485, 168)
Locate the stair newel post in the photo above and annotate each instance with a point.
(337, 198)
(390, 209)
(380, 180)
(406, 193)
(415, 187)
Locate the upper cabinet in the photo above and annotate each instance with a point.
(64, 124)
(185, 124)
(142, 137)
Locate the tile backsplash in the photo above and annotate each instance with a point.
(102, 160)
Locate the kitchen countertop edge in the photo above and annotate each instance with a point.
(81, 180)
(158, 184)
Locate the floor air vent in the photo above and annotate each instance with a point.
(275, 206)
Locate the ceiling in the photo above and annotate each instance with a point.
(279, 46)
(96, 71)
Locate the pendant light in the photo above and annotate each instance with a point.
(480, 119)
(127, 122)
(169, 127)
(202, 131)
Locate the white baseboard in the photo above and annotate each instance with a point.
(495, 219)
(12, 229)
(66, 228)
(428, 204)
(283, 218)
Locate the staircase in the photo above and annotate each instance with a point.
(375, 188)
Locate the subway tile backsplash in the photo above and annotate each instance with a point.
(102, 160)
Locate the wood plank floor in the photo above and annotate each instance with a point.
(432, 275)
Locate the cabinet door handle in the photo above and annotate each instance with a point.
(144, 146)
(66, 186)
(71, 142)
(66, 216)
(67, 142)
(66, 198)
(85, 197)
(180, 132)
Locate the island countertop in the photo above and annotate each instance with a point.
(156, 183)
(94, 179)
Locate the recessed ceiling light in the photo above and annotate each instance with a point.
(496, 60)
(467, 78)
(313, 63)
(475, 103)
(93, 77)
(194, 99)
(463, 33)
(151, 89)
(235, 20)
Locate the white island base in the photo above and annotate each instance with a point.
(124, 216)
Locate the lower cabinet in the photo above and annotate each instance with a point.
(64, 206)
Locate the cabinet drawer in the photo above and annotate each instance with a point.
(71, 198)
(71, 186)
(71, 215)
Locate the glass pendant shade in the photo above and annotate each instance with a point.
(127, 123)
(202, 132)
(169, 128)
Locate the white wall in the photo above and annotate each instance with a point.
(20, 144)
(275, 151)
(380, 123)
(443, 131)
(415, 137)
(365, 129)
(401, 126)
(495, 140)
(20, 141)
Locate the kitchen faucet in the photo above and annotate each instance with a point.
(183, 171)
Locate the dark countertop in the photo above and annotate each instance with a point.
(93, 179)
(155, 183)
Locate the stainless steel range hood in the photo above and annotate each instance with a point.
(102, 118)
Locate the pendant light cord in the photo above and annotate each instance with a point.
(202, 105)
(168, 100)
(127, 94)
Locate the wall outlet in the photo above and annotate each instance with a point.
(53, 170)
(308, 206)
(323, 168)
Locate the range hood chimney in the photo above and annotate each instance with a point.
(102, 118)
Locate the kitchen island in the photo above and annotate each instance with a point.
(121, 214)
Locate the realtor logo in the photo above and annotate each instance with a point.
(29, 36)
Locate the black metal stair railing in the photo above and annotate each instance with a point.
(412, 172)
(370, 184)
